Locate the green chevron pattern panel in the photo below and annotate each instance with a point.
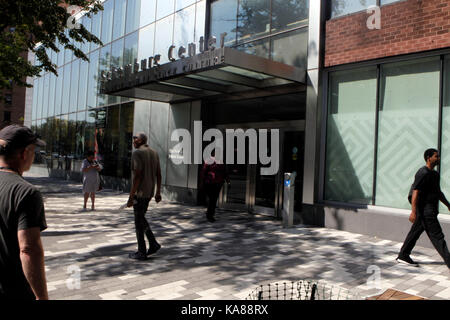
(408, 125)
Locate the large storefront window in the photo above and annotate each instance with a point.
(350, 136)
(408, 125)
(445, 148)
(253, 19)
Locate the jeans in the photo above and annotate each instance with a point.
(212, 191)
(426, 221)
(140, 207)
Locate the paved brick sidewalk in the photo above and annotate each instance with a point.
(223, 260)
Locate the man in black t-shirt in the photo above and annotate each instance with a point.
(426, 194)
(22, 219)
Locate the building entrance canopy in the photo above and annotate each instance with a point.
(211, 74)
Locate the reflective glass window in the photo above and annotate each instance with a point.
(60, 54)
(80, 135)
(164, 8)
(40, 97)
(383, 2)
(125, 140)
(82, 85)
(289, 14)
(130, 49)
(351, 136)
(148, 12)
(133, 15)
(282, 48)
(120, 9)
(344, 7)
(445, 149)
(68, 54)
(92, 80)
(75, 74)
(200, 17)
(146, 42)
(224, 19)
(116, 62)
(408, 125)
(87, 24)
(89, 131)
(107, 21)
(58, 91)
(258, 48)
(71, 134)
(96, 28)
(66, 89)
(184, 27)
(181, 4)
(45, 96)
(104, 65)
(163, 37)
(51, 96)
(111, 141)
(35, 98)
(253, 19)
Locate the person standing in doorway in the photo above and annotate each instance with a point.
(146, 172)
(91, 178)
(22, 218)
(212, 177)
(426, 194)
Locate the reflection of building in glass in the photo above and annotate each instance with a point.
(355, 107)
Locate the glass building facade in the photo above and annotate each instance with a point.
(68, 111)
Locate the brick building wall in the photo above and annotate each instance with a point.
(16, 109)
(409, 26)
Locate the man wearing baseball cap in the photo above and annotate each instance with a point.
(22, 219)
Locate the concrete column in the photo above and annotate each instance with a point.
(312, 128)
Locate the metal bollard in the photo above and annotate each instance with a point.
(288, 199)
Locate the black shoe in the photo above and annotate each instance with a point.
(137, 256)
(210, 218)
(407, 260)
(153, 249)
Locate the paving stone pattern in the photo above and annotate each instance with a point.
(199, 260)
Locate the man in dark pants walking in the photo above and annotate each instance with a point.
(212, 177)
(426, 194)
(146, 172)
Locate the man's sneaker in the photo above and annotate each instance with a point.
(210, 218)
(153, 249)
(138, 256)
(408, 261)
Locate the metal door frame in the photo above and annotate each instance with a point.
(250, 196)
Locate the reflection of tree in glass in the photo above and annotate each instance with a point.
(253, 17)
(339, 7)
(288, 12)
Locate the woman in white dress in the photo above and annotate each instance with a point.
(91, 178)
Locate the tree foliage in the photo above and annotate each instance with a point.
(37, 26)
